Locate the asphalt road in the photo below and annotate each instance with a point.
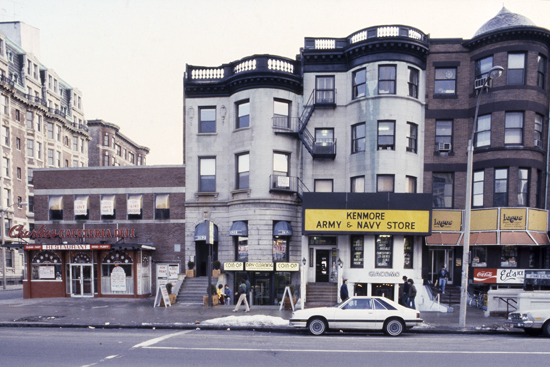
(11, 294)
(128, 347)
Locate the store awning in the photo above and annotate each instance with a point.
(443, 239)
(482, 238)
(81, 204)
(540, 238)
(108, 205)
(516, 238)
(239, 229)
(282, 229)
(201, 232)
(14, 245)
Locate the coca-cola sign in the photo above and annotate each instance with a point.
(499, 276)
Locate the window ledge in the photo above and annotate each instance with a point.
(241, 129)
(212, 194)
(240, 191)
(207, 134)
(445, 96)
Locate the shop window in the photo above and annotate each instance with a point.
(56, 207)
(357, 252)
(523, 187)
(243, 114)
(359, 83)
(207, 119)
(384, 251)
(358, 184)
(482, 136)
(358, 134)
(243, 171)
(82, 207)
(323, 185)
(410, 183)
(541, 71)
(324, 90)
(241, 248)
(386, 79)
(445, 81)
(135, 207)
(509, 256)
(477, 188)
(500, 197)
(413, 82)
(162, 206)
(442, 189)
(386, 135)
(46, 265)
(408, 252)
(479, 256)
(412, 137)
(280, 248)
(516, 68)
(108, 207)
(385, 183)
(120, 263)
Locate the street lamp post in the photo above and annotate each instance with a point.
(493, 73)
(3, 213)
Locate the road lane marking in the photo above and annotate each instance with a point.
(150, 342)
(348, 351)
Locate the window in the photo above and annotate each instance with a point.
(243, 114)
(17, 115)
(49, 130)
(358, 134)
(386, 79)
(538, 131)
(477, 188)
(500, 197)
(541, 71)
(108, 207)
(58, 132)
(207, 173)
(6, 135)
(9, 255)
(50, 157)
(509, 257)
(280, 164)
(7, 197)
(30, 120)
(81, 145)
(30, 206)
(384, 183)
(162, 206)
(82, 207)
(516, 69)
(75, 143)
(39, 150)
(118, 150)
(30, 176)
(442, 189)
(66, 163)
(386, 135)
(207, 119)
(56, 207)
(324, 185)
(384, 249)
(483, 66)
(106, 159)
(241, 248)
(134, 205)
(412, 137)
(539, 202)
(58, 159)
(18, 170)
(479, 256)
(106, 140)
(6, 163)
(18, 143)
(30, 148)
(131, 157)
(358, 184)
(5, 105)
(408, 252)
(513, 128)
(410, 182)
(243, 171)
(523, 187)
(359, 83)
(357, 252)
(75, 163)
(482, 136)
(324, 90)
(413, 82)
(281, 112)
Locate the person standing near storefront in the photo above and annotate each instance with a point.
(443, 276)
(248, 290)
(227, 295)
(344, 295)
(242, 297)
(412, 294)
(405, 292)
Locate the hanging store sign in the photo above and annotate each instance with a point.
(287, 266)
(367, 221)
(19, 231)
(68, 247)
(499, 276)
(259, 266)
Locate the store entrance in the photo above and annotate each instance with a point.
(441, 257)
(81, 281)
(322, 258)
(262, 288)
(201, 258)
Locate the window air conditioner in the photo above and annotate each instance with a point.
(444, 147)
(538, 143)
(479, 83)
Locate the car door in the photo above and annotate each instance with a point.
(382, 311)
(357, 313)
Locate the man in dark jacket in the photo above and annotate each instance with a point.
(405, 292)
(412, 294)
(344, 295)
(242, 297)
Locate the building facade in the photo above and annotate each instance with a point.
(103, 232)
(109, 147)
(42, 125)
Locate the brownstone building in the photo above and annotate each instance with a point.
(104, 231)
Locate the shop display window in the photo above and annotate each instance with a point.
(280, 249)
(384, 250)
(408, 251)
(509, 256)
(357, 252)
(46, 265)
(115, 262)
(479, 257)
(241, 251)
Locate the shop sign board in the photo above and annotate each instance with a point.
(118, 279)
(233, 266)
(537, 277)
(538, 220)
(447, 220)
(162, 271)
(513, 218)
(68, 247)
(259, 266)
(173, 271)
(499, 276)
(46, 272)
(18, 231)
(162, 292)
(287, 266)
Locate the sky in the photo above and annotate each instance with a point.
(128, 57)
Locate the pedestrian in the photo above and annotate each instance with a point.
(405, 292)
(248, 290)
(227, 295)
(242, 297)
(443, 276)
(221, 294)
(411, 294)
(344, 295)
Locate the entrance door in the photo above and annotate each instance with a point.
(441, 258)
(322, 258)
(82, 284)
(262, 289)
(201, 258)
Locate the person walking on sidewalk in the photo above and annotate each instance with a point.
(242, 297)
(443, 276)
(412, 294)
(344, 290)
(405, 292)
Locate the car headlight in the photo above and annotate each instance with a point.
(525, 317)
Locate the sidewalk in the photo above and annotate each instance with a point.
(140, 313)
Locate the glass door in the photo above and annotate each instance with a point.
(441, 257)
(322, 266)
(81, 280)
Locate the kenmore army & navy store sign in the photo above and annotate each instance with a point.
(349, 213)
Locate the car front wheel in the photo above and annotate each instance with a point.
(393, 327)
(546, 328)
(317, 326)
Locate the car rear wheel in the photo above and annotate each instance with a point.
(317, 326)
(393, 327)
(546, 328)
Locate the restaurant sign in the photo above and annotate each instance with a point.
(499, 276)
(102, 246)
(19, 231)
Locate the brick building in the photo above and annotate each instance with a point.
(92, 222)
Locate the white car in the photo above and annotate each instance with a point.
(533, 321)
(362, 313)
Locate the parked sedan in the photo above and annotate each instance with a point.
(533, 322)
(360, 313)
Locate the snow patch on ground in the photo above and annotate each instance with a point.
(253, 320)
(424, 325)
